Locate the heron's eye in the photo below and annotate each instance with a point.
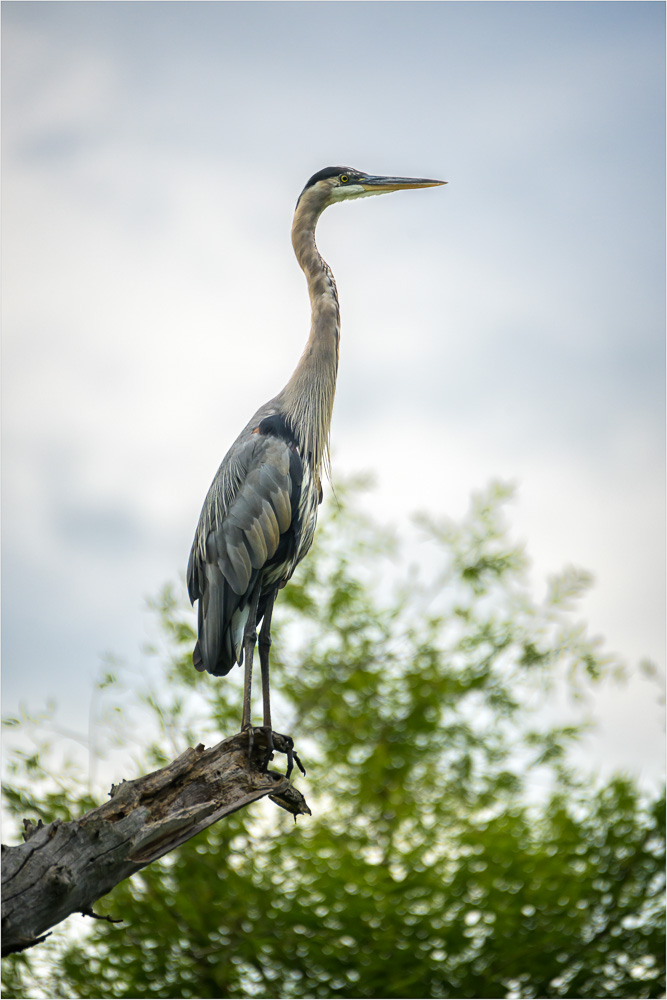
(344, 178)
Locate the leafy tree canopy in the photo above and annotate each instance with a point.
(453, 850)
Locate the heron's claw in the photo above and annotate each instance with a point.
(285, 744)
(270, 746)
(250, 730)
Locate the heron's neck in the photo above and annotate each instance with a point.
(309, 395)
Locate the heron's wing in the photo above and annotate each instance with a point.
(249, 510)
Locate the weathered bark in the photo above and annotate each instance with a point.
(64, 868)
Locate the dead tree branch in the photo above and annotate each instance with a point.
(64, 868)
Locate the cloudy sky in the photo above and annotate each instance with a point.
(509, 325)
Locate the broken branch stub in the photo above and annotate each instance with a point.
(64, 868)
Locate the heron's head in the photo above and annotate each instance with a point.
(333, 184)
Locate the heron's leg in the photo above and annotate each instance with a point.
(284, 744)
(249, 640)
(264, 647)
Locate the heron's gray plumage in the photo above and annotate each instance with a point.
(259, 516)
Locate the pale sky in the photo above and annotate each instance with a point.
(509, 325)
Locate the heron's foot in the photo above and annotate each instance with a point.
(250, 730)
(266, 738)
(267, 732)
(285, 744)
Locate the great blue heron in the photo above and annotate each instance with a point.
(259, 516)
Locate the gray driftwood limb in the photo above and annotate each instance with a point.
(64, 868)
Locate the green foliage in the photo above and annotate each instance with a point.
(431, 866)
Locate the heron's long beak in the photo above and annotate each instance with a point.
(377, 184)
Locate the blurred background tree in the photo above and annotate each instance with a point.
(454, 850)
